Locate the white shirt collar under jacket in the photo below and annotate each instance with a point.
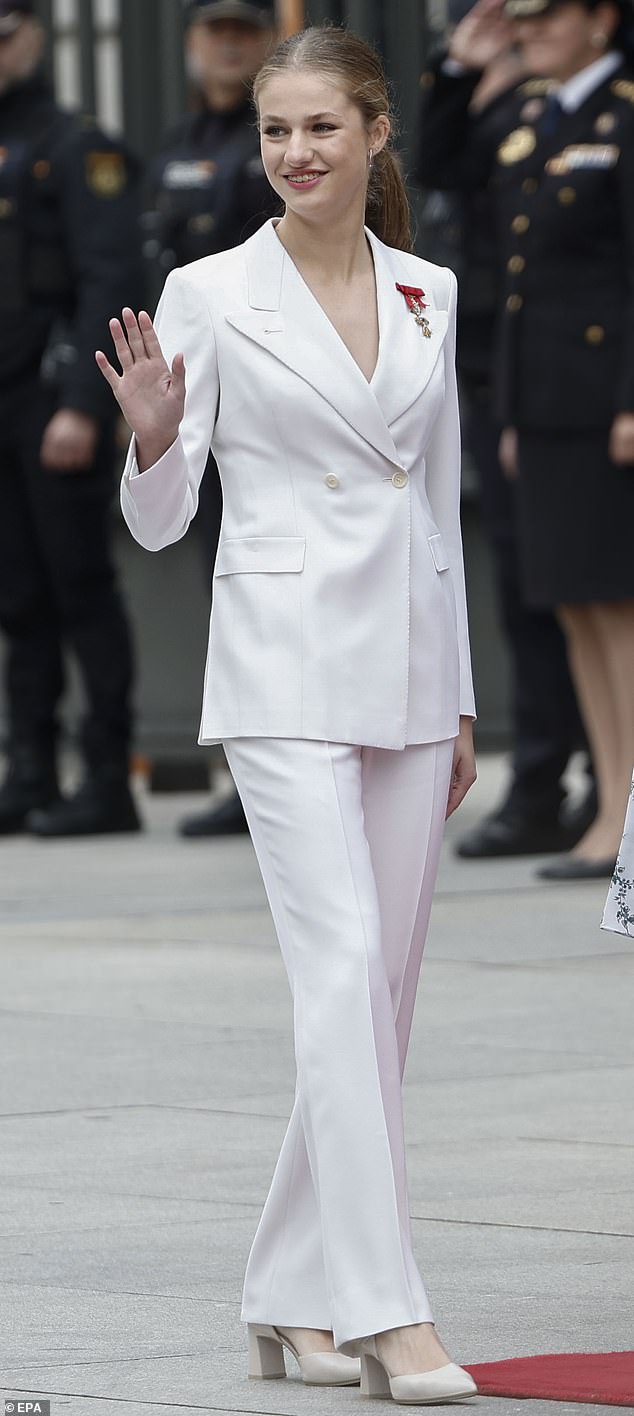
(576, 90)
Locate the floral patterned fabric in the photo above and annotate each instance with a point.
(618, 914)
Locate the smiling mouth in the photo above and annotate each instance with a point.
(303, 179)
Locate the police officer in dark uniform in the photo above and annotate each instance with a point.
(562, 181)
(69, 255)
(466, 113)
(208, 193)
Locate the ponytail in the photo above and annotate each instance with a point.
(387, 211)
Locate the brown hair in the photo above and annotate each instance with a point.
(357, 68)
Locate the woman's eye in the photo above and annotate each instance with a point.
(273, 132)
(325, 127)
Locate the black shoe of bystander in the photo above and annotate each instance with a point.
(103, 805)
(30, 781)
(226, 819)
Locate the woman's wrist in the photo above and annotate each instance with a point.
(150, 450)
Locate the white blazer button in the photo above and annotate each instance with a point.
(332, 481)
(400, 479)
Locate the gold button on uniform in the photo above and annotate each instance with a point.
(595, 334)
(566, 195)
(520, 224)
(514, 303)
(332, 481)
(529, 185)
(400, 479)
(516, 265)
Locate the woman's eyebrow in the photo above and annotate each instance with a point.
(310, 118)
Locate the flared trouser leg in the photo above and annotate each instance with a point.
(348, 842)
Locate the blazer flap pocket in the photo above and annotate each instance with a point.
(240, 555)
(437, 548)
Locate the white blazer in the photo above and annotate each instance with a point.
(338, 600)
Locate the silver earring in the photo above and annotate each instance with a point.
(370, 157)
(599, 39)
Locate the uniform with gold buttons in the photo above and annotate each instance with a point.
(564, 196)
(562, 186)
(457, 143)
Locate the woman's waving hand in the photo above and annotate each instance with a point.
(150, 394)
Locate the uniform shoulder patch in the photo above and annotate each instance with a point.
(106, 173)
(623, 88)
(532, 88)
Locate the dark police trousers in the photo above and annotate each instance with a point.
(58, 588)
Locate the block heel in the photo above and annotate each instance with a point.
(374, 1378)
(266, 1359)
(442, 1385)
(266, 1353)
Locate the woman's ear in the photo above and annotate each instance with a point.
(379, 132)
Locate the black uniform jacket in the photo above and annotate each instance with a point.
(69, 245)
(564, 208)
(208, 191)
(473, 209)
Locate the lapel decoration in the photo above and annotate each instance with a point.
(415, 304)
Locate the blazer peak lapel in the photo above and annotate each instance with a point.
(300, 334)
(407, 356)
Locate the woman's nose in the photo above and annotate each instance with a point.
(298, 150)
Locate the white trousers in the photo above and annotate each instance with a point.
(348, 840)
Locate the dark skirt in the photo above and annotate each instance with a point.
(576, 520)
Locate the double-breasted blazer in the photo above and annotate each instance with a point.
(339, 606)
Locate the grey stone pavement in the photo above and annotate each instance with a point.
(146, 1075)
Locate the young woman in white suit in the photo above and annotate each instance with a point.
(317, 360)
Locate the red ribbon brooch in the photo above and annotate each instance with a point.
(416, 305)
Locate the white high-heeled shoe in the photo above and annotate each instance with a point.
(266, 1359)
(448, 1383)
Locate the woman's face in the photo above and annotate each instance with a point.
(315, 144)
(563, 41)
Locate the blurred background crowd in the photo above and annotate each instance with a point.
(128, 146)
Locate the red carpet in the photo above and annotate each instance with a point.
(598, 1378)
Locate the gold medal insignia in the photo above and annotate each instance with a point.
(106, 173)
(605, 123)
(518, 145)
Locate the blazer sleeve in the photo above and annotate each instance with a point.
(443, 489)
(159, 504)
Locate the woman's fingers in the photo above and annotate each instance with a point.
(135, 338)
(178, 370)
(463, 776)
(121, 345)
(110, 375)
(149, 335)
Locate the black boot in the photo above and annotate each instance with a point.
(226, 819)
(509, 832)
(103, 805)
(30, 782)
